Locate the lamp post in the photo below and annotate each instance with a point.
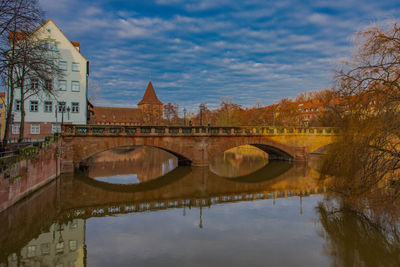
(201, 107)
(62, 114)
(184, 116)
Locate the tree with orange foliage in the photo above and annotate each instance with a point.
(367, 158)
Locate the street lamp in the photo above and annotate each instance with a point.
(201, 107)
(62, 113)
(184, 116)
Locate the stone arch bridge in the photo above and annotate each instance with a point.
(194, 146)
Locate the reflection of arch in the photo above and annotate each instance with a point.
(272, 170)
(168, 178)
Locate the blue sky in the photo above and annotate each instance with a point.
(252, 51)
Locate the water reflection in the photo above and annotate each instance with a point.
(355, 239)
(60, 245)
(131, 165)
(239, 161)
(188, 216)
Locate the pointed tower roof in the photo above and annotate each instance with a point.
(150, 96)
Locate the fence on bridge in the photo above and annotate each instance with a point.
(119, 130)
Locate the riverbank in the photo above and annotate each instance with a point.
(28, 175)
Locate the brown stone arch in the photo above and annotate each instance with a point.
(274, 149)
(82, 148)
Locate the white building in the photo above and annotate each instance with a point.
(44, 112)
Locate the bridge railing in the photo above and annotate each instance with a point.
(123, 130)
(163, 204)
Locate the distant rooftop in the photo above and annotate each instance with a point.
(150, 96)
(117, 115)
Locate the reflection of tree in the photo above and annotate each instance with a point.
(356, 239)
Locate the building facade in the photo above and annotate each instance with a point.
(149, 112)
(68, 104)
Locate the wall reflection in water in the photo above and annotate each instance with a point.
(131, 165)
(261, 218)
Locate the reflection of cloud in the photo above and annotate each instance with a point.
(231, 235)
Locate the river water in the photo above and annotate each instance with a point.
(135, 207)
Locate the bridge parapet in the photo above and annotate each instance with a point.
(123, 130)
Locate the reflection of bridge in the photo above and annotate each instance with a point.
(109, 210)
(186, 187)
(71, 197)
(194, 145)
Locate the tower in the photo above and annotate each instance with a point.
(151, 106)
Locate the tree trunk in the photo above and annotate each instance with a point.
(9, 108)
(22, 125)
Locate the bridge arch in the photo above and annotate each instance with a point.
(82, 148)
(182, 160)
(275, 150)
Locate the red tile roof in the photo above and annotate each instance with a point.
(150, 96)
(116, 115)
(76, 44)
(2, 94)
(17, 35)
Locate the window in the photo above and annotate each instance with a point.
(74, 224)
(49, 44)
(35, 128)
(34, 106)
(75, 107)
(60, 247)
(49, 85)
(62, 85)
(1, 106)
(17, 105)
(75, 86)
(72, 245)
(31, 251)
(62, 65)
(45, 248)
(55, 128)
(15, 129)
(48, 106)
(61, 106)
(35, 83)
(75, 66)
